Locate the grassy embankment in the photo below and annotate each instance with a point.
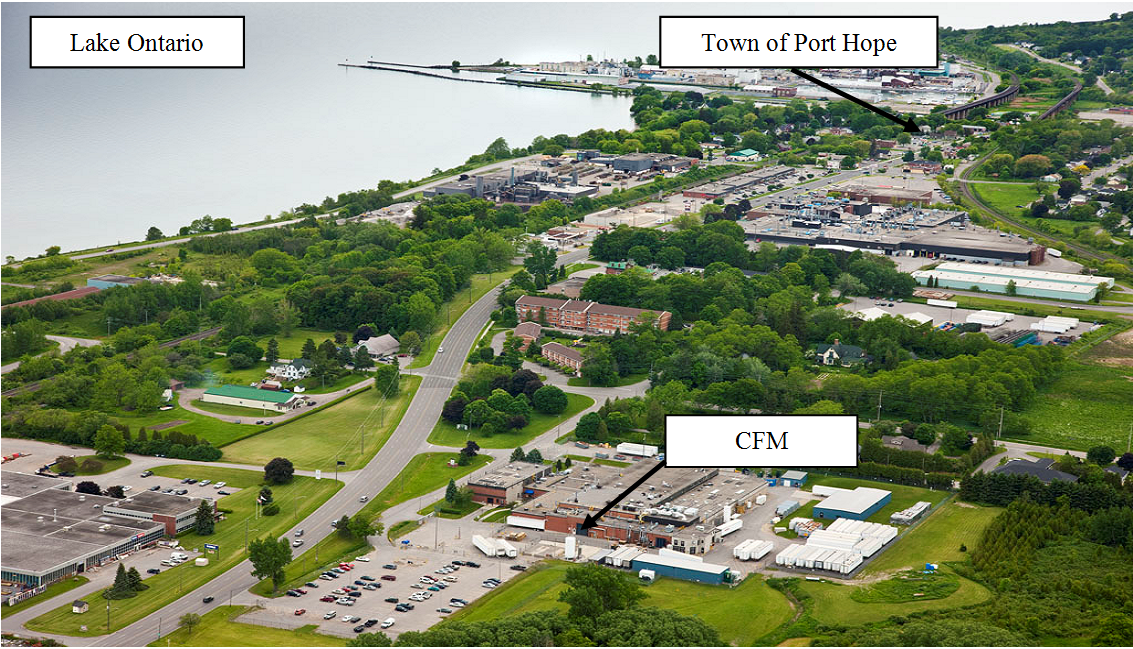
(446, 434)
(352, 431)
(297, 500)
(217, 628)
(108, 465)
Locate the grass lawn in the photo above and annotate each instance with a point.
(1005, 197)
(315, 386)
(497, 515)
(834, 604)
(454, 308)
(297, 500)
(909, 586)
(217, 432)
(58, 588)
(398, 530)
(454, 513)
(1088, 405)
(220, 373)
(107, 465)
(577, 266)
(293, 347)
(597, 460)
(936, 539)
(628, 379)
(902, 498)
(217, 629)
(730, 611)
(446, 434)
(234, 411)
(352, 431)
(425, 473)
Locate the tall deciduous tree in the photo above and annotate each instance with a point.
(108, 442)
(269, 558)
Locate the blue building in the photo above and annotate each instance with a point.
(687, 568)
(110, 281)
(859, 504)
(794, 478)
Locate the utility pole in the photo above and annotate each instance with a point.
(879, 393)
(1000, 432)
(108, 616)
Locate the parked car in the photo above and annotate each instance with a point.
(389, 578)
(360, 628)
(444, 609)
(300, 611)
(205, 482)
(363, 559)
(366, 578)
(326, 598)
(329, 615)
(223, 493)
(389, 566)
(311, 584)
(154, 571)
(391, 600)
(156, 487)
(519, 567)
(387, 623)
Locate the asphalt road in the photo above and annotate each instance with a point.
(66, 344)
(1101, 84)
(409, 439)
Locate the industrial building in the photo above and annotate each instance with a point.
(507, 484)
(720, 189)
(583, 316)
(1027, 282)
(680, 567)
(888, 195)
(249, 397)
(525, 186)
(794, 478)
(686, 510)
(859, 504)
(51, 533)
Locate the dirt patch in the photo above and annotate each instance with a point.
(169, 424)
(963, 504)
(1116, 352)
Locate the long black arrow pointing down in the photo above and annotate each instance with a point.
(592, 519)
(909, 124)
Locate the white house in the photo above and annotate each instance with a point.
(296, 370)
(380, 346)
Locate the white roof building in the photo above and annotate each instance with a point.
(380, 346)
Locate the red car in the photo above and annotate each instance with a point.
(300, 591)
(300, 611)
(326, 598)
(389, 578)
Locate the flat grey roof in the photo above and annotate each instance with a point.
(794, 475)
(153, 502)
(22, 485)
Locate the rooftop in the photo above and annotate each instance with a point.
(509, 475)
(1026, 273)
(246, 392)
(152, 502)
(1040, 469)
(563, 350)
(677, 562)
(121, 279)
(856, 501)
(528, 329)
(21, 485)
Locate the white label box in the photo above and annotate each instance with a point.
(769, 441)
(798, 42)
(137, 42)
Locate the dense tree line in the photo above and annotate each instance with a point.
(1003, 489)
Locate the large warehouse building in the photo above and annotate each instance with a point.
(1029, 282)
(249, 397)
(859, 504)
(51, 532)
(681, 567)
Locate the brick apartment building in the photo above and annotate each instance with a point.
(582, 316)
(563, 355)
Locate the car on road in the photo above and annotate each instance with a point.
(390, 566)
(297, 543)
(363, 499)
(329, 615)
(300, 611)
(519, 567)
(440, 350)
(154, 571)
(208, 599)
(156, 487)
(147, 473)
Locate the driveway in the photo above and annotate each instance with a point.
(66, 344)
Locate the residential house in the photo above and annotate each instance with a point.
(1041, 469)
(839, 354)
(295, 370)
(530, 332)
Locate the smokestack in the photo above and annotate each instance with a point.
(574, 177)
(513, 176)
(479, 186)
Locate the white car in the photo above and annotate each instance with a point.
(126, 488)
(387, 623)
(364, 559)
(329, 615)
(440, 350)
(219, 485)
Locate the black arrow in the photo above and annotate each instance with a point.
(909, 124)
(592, 519)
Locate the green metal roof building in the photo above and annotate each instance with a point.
(249, 397)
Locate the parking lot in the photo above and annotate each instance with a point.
(412, 563)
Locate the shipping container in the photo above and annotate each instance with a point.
(487, 546)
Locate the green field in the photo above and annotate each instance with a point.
(497, 515)
(425, 473)
(353, 431)
(597, 460)
(218, 372)
(450, 311)
(936, 539)
(297, 500)
(107, 465)
(741, 615)
(577, 266)
(1086, 406)
(1006, 197)
(446, 434)
(834, 604)
(58, 588)
(292, 347)
(902, 498)
(398, 530)
(217, 432)
(908, 586)
(217, 629)
(447, 513)
(628, 379)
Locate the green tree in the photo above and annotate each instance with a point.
(310, 350)
(108, 442)
(269, 559)
(452, 494)
(1101, 455)
(153, 234)
(1011, 287)
(244, 345)
(593, 591)
(279, 471)
(517, 455)
(375, 639)
(272, 354)
(534, 456)
(410, 342)
(362, 358)
(549, 400)
(205, 523)
(190, 621)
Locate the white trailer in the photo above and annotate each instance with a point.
(948, 304)
(760, 550)
(730, 526)
(642, 450)
(487, 546)
(506, 549)
(742, 551)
